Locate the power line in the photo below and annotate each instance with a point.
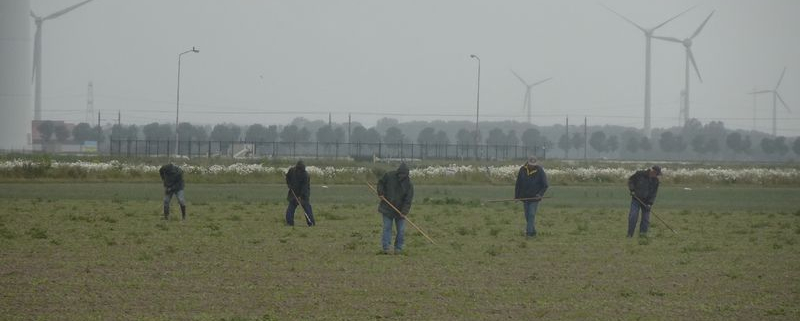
(232, 109)
(279, 112)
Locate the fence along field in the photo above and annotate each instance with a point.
(99, 251)
(355, 150)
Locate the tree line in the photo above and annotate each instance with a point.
(694, 140)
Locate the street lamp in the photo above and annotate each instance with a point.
(478, 103)
(178, 100)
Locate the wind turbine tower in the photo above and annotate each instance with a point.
(90, 103)
(526, 102)
(682, 118)
(648, 35)
(37, 55)
(775, 97)
(687, 43)
(15, 90)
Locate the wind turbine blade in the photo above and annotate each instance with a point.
(520, 78)
(673, 18)
(68, 9)
(781, 79)
(696, 32)
(760, 92)
(783, 102)
(626, 19)
(691, 57)
(669, 39)
(542, 81)
(34, 15)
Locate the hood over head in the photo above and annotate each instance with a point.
(403, 170)
(657, 170)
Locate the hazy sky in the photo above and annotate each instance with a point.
(261, 60)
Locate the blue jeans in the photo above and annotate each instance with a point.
(306, 207)
(386, 238)
(530, 217)
(168, 198)
(633, 216)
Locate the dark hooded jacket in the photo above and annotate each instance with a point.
(400, 192)
(644, 186)
(172, 177)
(297, 180)
(531, 182)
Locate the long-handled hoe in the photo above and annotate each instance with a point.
(305, 212)
(518, 199)
(654, 214)
(399, 213)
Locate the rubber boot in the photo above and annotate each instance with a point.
(166, 212)
(183, 212)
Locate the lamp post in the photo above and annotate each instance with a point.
(478, 105)
(178, 100)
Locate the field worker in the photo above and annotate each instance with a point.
(396, 187)
(299, 184)
(172, 177)
(530, 187)
(643, 186)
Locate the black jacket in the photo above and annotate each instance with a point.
(172, 177)
(400, 192)
(298, 180)
(531, 182)
(644, 186)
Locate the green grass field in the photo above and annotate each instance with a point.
(100, 251)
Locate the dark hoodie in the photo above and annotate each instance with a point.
(172, 177)
(297, 180)
(397, 188)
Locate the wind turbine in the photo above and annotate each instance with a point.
(775, 97)
(755, 105)
(526, 102)
(687, 43)
(37, 56)
(648, 35)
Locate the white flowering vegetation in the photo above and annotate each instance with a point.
(452, 173)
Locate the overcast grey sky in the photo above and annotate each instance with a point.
(412, 58)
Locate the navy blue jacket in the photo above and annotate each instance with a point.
(531, 182)
(644, 186)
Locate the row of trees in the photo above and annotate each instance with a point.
(50, 130)
(694, 138)
(325, 134)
